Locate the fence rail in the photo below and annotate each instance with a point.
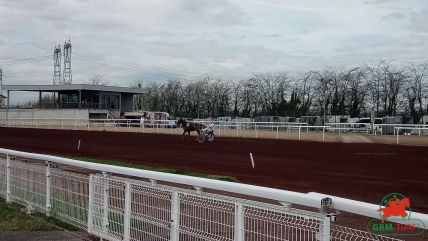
(119, 203)
(79, 122)
(420, 131)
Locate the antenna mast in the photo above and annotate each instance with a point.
(57, 65)
(67, 78)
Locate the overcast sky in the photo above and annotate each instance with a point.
(160, 39)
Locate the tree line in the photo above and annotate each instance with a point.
(381, 88)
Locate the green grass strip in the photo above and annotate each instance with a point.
(14, 218)
(157, 169)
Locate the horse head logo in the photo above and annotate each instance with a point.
(395, 207)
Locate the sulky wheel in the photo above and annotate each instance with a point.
(211, 137)
(201, 138)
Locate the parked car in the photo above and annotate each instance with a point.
(170, 124)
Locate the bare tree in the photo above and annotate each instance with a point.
(382, 87)
(356, 83)
(323, 97)
(97, 79)
(416, 87)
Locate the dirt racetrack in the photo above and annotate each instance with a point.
(359, 171)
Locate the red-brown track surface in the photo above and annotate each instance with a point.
(363, 172)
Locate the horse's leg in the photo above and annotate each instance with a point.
(182, 136)
(187, 139)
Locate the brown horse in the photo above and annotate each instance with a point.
(189, 126)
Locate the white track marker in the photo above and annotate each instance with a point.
(78, 146)
(252, 159)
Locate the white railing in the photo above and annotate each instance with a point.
(238, 129)
(131, 125)
(150, 122)
(100, 199)
(136, 122)
(419, 129)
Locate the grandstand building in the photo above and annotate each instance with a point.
(73, 101)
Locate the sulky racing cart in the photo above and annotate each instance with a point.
(206, 134)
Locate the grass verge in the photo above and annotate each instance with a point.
(14, 218)
(157, 169)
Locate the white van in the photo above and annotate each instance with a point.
(364, 125)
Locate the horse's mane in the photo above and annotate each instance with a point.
(182, 121)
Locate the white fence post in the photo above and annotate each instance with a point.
(127, 213)
(239, 222)
(90, 203)
(175, 216)
(277, 129)
(397, 132)
(105, 223)
(299, 132)
(8, 193)
(48, 188)
(324, 232)
(323, 134)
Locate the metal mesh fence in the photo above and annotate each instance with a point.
(341, 233)
(275, 223)
(69, 197)
(2, 177)
(28, 184)
(117, 208)
(150, 213)
(107, 207)
(200, 216)
(68, 191)
(206, 218)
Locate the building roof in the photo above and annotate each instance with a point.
(3, 96)
(51, 88)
